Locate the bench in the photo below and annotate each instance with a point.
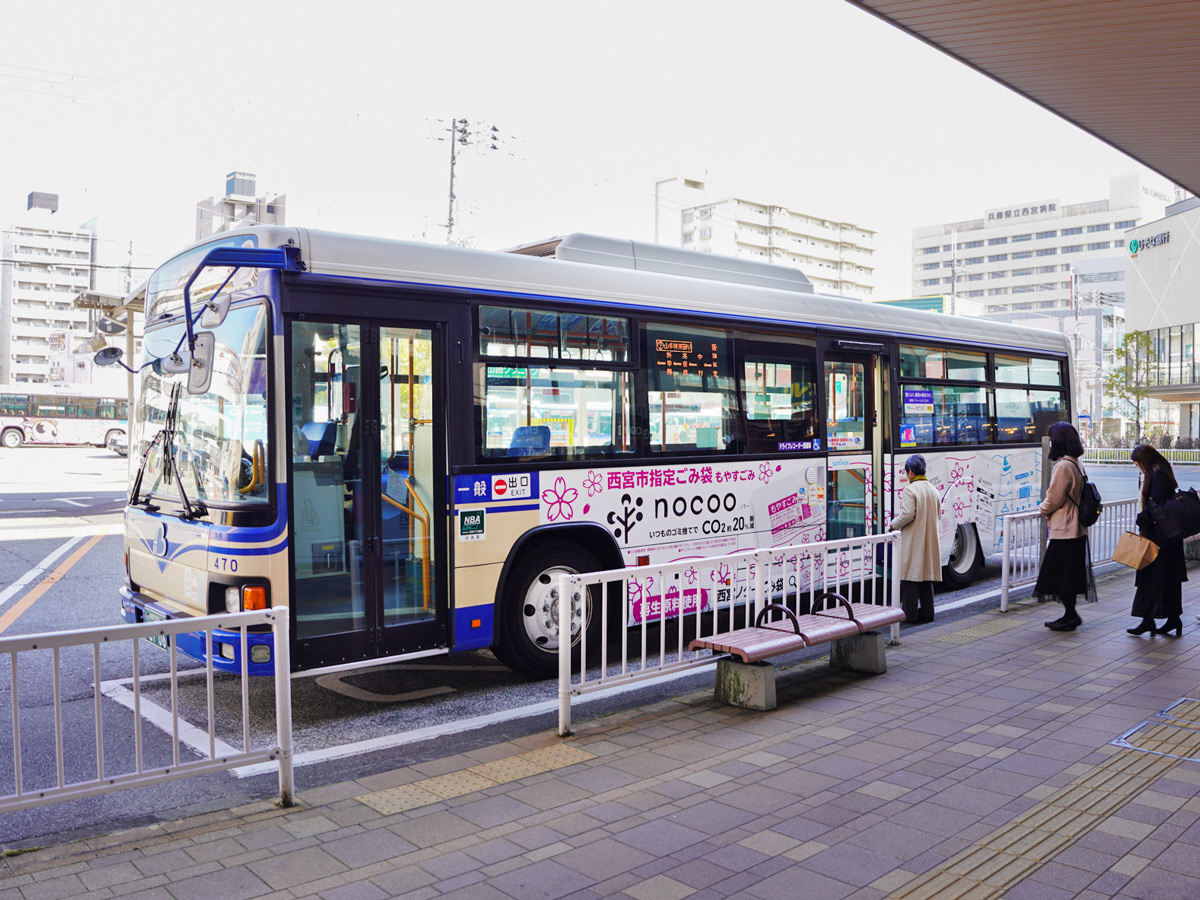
(850, 627)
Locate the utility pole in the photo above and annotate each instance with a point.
(460, 133)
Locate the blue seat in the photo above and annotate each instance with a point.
(530, 440)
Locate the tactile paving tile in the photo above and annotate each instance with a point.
(1184, 710)
(468, 781)
(996, 862)
(975, 632)
(511, 768)
(1164, 739)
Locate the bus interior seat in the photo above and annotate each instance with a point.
(322, 438)
(530, 440)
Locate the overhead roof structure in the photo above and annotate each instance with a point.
(1128, 73)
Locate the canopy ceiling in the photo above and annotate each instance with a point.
(1128, 73)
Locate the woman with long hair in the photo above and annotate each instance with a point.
(1066, 570)
(1159, 586)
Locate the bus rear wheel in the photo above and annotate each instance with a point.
(527, 630)
(12, 438)
(966, 558)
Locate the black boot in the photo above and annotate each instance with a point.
(1147, 624)
(1175, 624)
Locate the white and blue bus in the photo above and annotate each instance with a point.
(405, 444)
(60, 414)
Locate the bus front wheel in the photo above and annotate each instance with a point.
(12, 438)
(528, 634)
(966, 558)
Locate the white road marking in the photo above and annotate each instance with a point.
(154, 714)
(37, 571)
(71, 500)
(334, 683)
(391, 741)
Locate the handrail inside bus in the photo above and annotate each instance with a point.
(257, 468)
(423, 519)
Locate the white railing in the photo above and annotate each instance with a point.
(166, 764)
(1121, 455)
(705, 597)
(1024, 537)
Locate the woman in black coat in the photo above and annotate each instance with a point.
(1159, 593)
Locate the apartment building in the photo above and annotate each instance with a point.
(1026, 255)
(43, 267)
(836, 256)
(238, 207)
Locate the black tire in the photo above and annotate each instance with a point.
(12, 438)
(109, 435)
(966, 558)
(526, 628)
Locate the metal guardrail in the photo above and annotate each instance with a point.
(1121, 455)
(139, 773)
(1024, 541)
(705, 597)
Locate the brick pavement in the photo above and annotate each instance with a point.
(980, 766)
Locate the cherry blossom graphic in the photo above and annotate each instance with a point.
(594, 483)
(720, 574)
(766, 472)
(559, 499)
(691, 574)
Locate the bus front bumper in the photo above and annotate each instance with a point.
(226, 645)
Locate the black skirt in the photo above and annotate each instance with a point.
(1066, 571)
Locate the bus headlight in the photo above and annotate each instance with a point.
(247, 597)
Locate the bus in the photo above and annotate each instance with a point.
(60, 414)
(406, 444)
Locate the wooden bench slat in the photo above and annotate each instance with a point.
(869, 615)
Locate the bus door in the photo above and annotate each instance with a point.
(852, 394)
(368, 475)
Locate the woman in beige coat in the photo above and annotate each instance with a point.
(1065, 572)
(920, 551)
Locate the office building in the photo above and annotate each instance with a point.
(1162, 261)
(1020, 257)
(238, 207)
(836, 256)
(44, 265)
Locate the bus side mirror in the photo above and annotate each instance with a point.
(200, 372)
(108, 356)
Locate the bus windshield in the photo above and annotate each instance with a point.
(219, 447)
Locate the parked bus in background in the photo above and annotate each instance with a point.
(60, 414)
(406, 444)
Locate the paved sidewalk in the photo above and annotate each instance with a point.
(980, 766)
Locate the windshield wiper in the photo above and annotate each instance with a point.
(167, 436)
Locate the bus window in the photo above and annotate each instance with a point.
(539, 333)
(943, 414)
(845, 404)
(941, 362)
(690, 388)
(564, 413)
(778, 393)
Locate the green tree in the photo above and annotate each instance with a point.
(1128, 382)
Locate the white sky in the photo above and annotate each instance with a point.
(135, 111)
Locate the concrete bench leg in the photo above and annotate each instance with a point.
(861, 653)
(748, 685)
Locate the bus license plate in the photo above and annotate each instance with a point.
(158, 640)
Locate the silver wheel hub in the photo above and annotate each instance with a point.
(539, 610)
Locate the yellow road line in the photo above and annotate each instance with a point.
(14, 612)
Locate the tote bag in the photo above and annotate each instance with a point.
(1135, 551)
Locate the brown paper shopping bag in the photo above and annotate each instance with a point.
(1135, 551)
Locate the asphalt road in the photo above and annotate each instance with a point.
(56, 503)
